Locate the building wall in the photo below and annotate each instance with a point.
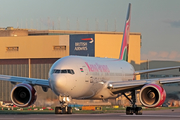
(33, 47)
(135, 52)
(107, 45)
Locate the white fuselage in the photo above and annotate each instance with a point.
(87, 77)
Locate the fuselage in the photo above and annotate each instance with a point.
(87, 77)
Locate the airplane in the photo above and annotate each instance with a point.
(80, 77)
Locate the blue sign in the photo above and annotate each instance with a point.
(82, 45)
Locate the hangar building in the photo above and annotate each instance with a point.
(31, 53)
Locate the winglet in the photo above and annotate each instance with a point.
(125, 40)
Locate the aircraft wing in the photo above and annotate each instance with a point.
(32, 81)
(117, 87)
(155, 70)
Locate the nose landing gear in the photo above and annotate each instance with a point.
(63, 108)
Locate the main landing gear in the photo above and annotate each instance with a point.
(134, 108)
(63, 108)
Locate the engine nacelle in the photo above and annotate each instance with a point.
(23, 95)
(152, 95)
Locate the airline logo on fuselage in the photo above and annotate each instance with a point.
(97, 67)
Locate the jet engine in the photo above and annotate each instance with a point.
(23, 95)
(152, 95)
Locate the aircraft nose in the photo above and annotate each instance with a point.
(60, 80)
(58, 83)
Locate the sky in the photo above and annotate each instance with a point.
(157, 20)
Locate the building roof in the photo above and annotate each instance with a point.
(67, 32)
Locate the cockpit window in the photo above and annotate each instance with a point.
(70, 71)
(57, 71)
(63, 71)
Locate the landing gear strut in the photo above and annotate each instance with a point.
(134, 108)
(63, 108)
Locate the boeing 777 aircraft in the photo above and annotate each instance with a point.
(77, 77)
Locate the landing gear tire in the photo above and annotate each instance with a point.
(58, 110)
(64, 110)
(138, 111)
(129, 111)
(69, 111)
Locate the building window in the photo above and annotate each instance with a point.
(12, 48)
(60, 47)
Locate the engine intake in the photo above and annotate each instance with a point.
(152, 95)
(23, 95)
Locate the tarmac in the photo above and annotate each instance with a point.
(173, 114)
